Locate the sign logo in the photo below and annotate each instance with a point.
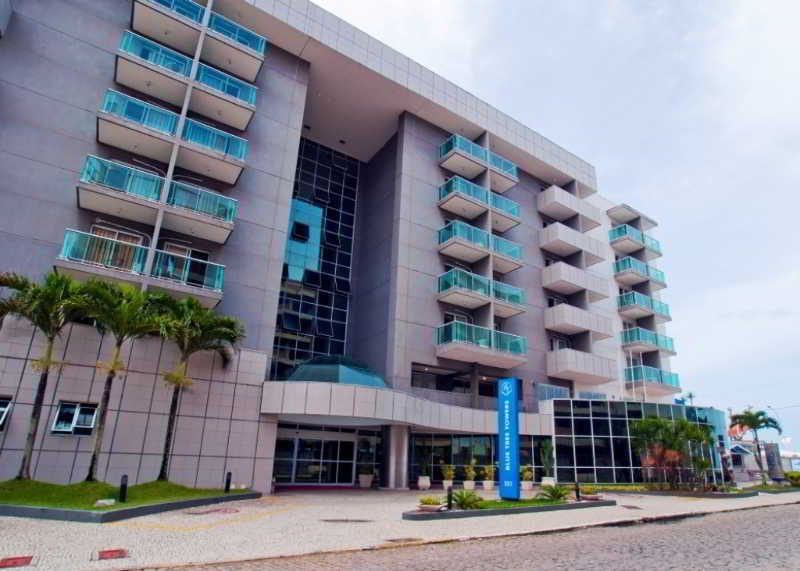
(507, 388)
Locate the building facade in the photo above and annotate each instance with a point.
(362, 216)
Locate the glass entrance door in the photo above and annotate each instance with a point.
(313, 460)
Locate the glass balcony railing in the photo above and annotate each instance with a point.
(506, 247)
(627, 231)
(122, 178)
(500, 202)
(237, 33)
(456, 184)
(508, 293)
(464, 145)
(457, 278)
(226, 84)
(458, 229)
(100, 251)
(155, 54)
(196, 199)
(460, 332)
(652, 375)
(188, 271)
(638, 266)
(641, 335)
(636, 298)
(502, 164)
(214, 139)
(185, 8)
(138, 111)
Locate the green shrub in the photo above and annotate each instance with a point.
(469, 471)
(488, 472)
(793, 477)
(526, 473)
(466, 500)
(553, 493)
(448, 471)
(430, 501)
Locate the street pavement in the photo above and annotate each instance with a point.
(764, 538)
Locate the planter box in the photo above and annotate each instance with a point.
(527, 485)
(488, 485)
(420, 516)
(681, 493)
(365, 480)
(469, 484)
(424, 483)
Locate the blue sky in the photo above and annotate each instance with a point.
(689, 111)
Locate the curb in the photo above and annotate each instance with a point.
(680, 494)
(424, 542)
(422, 516)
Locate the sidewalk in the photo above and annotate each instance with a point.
(293, 523)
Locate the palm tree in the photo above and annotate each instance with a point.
(193, 328)
(49, 306)
(126, 313)
(755, 420)
(690, 397)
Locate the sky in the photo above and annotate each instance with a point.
(689, 112)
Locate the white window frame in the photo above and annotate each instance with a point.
(458, 316)
(117, 234)
(5, 408)
(75, 415)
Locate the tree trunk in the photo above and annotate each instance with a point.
(758, 457)
(36, 413)
(103, 413)
(173, 413)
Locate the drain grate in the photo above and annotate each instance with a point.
(631, 507)
(347, 520)
(404, 540)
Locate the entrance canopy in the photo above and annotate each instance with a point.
(336, 369)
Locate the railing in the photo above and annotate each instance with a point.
(140, 112)
(502, 164)
(457, 142)
(99, 251)
(458, 278)
(122, 178)
(155, 54)
(640, 335)
(652, 375)
(460, 332)
(636, 298)
(237, 33)
(458, 229)
(185, 8)
(188, 271)
(214, 139)
(638, 266)
(221, 81)
(500, 202)
(506, 247)
(196, 199)
(628, 231)
(508, 293)
(462, 186)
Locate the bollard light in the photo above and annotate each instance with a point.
(123, 489)
(449, 498)
(228, 477)
(577, 491)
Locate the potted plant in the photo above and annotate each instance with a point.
(448, 473)
(469, 475)
(547, 463)
(429, 504)
(526, 475)
(365, 475)
(424, 478)
(488, 477)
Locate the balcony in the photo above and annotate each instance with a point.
(563, 241)
(472, 344)
(654, 380)
(461, 156)
(136, 126)
(84, 256)
(566, 279)
(630, 271)
(570, 320)
(634, 305)
(505, 213)
(626, 239)
(580, 367)
(639, 340)
(234, 48)
(223, 98)
(212, 152)
(180, 276)
(507, 255)
(624, 214)
(502, 174)
(464, 289)
(508, 300)
(461, 241)
(468, 200)
(175, 23)
(560, 205)
(151, 68)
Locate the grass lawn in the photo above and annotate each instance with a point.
(773, 487)
(82, 496)
(493, 504)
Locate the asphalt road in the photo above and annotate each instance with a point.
(765, 538)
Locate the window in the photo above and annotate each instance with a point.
(554, 300)
(300, 232)
(557, 343)
(451, 316)
(75, 418)
(5, 407)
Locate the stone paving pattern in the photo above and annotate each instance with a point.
(291, 524)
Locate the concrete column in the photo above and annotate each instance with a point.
(398, 457)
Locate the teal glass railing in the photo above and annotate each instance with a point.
(660, 307)
(185, 8)
(200, 200)
(99, 251)
(502, 164)
(122, 178)
(641, 335)
(227, 84)
(456, 184)
(457, 278)
(652, 375)
(237, 33)
(500, 202)
(214, 139)
(508, 293)
(458, 229)
(506, 247)
(141, 112)
(628, 231)
(460, 332)
(155, 54)
(188, 271)
(459, 143)
(669, 378)
(638, 266)
(636, 298)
